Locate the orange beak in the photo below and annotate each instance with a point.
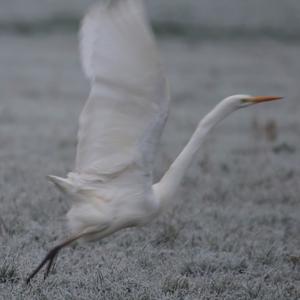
(260, 99)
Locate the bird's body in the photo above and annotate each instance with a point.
(111, 203)
(121, 123)
(120, 128)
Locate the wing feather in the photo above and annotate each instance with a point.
(125, 113)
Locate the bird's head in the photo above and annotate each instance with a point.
(241, 101)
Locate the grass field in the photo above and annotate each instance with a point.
(233, 232)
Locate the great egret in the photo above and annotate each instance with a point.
(120, 127)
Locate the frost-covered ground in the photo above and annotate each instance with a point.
(234, 230)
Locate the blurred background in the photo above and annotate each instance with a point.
(238, 212)
(271, 16)
(211, 49)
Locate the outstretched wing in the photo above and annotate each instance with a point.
(125, 113)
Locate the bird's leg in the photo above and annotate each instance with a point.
(51, 259)
(51, 255)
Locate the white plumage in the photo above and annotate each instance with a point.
(120, 127)
(122, 120)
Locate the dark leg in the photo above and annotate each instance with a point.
(52, 254)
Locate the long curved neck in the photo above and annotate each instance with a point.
(167, 186)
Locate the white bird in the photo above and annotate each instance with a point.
(120, 128)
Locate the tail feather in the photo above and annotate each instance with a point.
(63, 184)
